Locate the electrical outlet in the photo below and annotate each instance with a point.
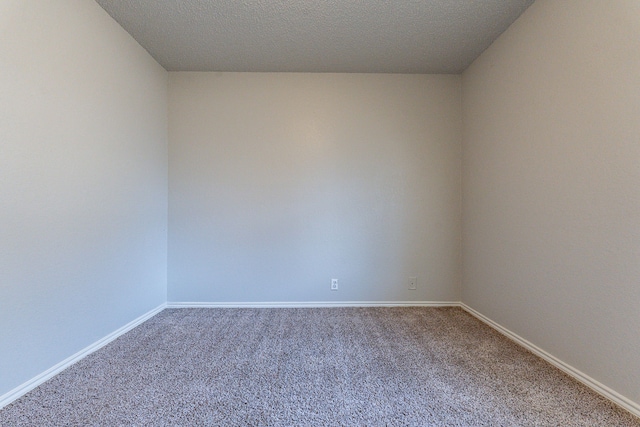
(413, 283)
(334, 284)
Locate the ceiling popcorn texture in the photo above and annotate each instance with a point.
(372, 36)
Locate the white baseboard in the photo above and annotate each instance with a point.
(23, 389)
(615, 397)
(313, 304)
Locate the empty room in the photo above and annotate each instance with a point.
(279, 213)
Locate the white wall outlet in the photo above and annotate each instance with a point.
(334, 284)
(413, 283)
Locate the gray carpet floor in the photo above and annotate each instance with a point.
(313, 367)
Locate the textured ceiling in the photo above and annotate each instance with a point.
(368, 36)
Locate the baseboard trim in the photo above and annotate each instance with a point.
(313, 304)
(23, 389)
(598, 387)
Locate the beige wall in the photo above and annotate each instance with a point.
(83, 182)
(551, 185)
(280, 182)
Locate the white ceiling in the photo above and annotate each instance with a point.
(367, 36)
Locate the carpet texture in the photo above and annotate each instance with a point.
(313, 367)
